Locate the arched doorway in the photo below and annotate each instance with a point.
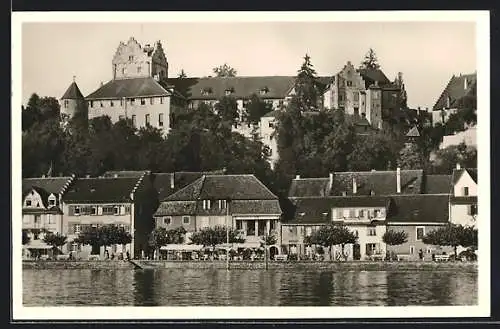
(273, 250)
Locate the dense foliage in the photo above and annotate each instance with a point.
(452, 235)
(105, 235)
(55, 239)
(213, 236)
(394, 238)
(331, 235)
(224, 71)
(160, 236)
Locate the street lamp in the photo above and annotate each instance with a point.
(228, 200)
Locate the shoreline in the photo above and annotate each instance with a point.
(253, 265)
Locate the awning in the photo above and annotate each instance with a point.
(244, 245)
(36, 244)
(182, 247)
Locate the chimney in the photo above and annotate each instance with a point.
(297, 176)
(465, 84)
(354, 186)
(115, 175)
(43, 176)
(398, 180)
(87, 176)
(172, 181)
(102, 84)
(458, 166)
(330, 181)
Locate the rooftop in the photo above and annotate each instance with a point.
(132, 87)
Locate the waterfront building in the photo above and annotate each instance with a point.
(241, 202)
(417, 215)
(468, 137)
(42, 210)
(463, 201)
(127, 202)
(460, 93)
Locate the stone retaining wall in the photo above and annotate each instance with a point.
(256, 265)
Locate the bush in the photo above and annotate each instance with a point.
(468, 255)
(293, 257)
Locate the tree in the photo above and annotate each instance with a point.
(324, 236)
(158, 238)
(344, 236)
(182, 74)
(446, 159)
(410, 157)
(394, 238)
(55, 240)
(26, 239)
(212, 236)
(370, 61)
(106, 235)
(306, 86)
(374, 151)
(255, 109)
(450, 235)
(224, 71)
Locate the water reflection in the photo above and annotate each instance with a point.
(181, 287)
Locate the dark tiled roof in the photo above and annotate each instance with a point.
(162, 181)
(176, 208)
(423, 208)
(134, 87)
(256, 207)
(105, 189)
(73, 92)
(277, 87)
(318, 209)
(463, 200)
(456, 91)
(236, 187)
(309, 187)
(436, 184)
(54, 185)
(372, 75)
(457, 173)
(413, 132)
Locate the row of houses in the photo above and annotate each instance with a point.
(368, 203)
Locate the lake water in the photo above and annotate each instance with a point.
(215, 287)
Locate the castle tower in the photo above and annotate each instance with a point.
(73, 103)
(131, 60)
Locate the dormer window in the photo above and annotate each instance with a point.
(206, 91)
(264, 90)
(52, 200)
(131, 58)
(222, 204)
(207, 204)
(228, 91)
(28, 203)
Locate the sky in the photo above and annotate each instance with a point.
(427, 53)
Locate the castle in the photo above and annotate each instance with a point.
(140, 89)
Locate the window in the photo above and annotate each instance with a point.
(356, 96)
(228, 92)
(147, 119)
(372, 231)
(206, 204)
(91, 103)
(121, 102)
(28, 203)
(161, 100)
(160, 120)
(111, 103)
(349, 83)
(271, 124)
(472, 210)
(466, 190)
(131, 58)
(152, 101)
(121, 117)
(93, 210)
(222, 204)
(123, 71)
(185, 220)
(412, 250)
(134, 119)
(78, 228)
(108, 210)
(51, 219)
(356, 111)
(308, 231)
(132, 101)
(351, 213)
(376, 213)
(139, 69)
(341, 98)
(66, 103)
(167, 220)
(420, 233)
(361, 213)
(117, 210)
(77, 210)
(143, 101)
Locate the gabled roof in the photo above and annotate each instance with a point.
(217, 187)
(162, 181)
(456, 91)
(73, 92)
(176, 208)
(103, 189)
(133, 87)
(370, 76)
(309, 187)
(422, 208)
(457, 173)
(436, 184)
(54, 185)
(413, 132)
